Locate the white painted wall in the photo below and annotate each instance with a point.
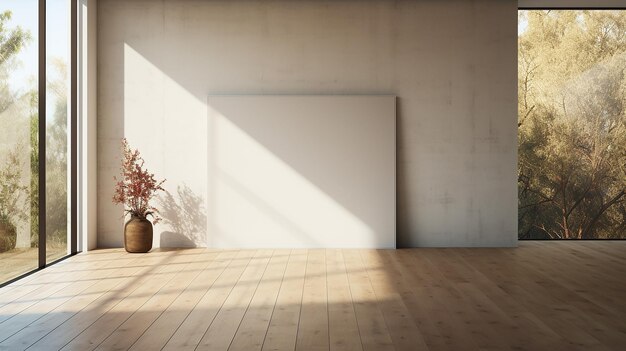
(452, 65)
(87, 109)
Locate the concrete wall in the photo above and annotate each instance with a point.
(87, 109)
(572, 3)
(452, 65)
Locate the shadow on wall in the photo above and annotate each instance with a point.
(186, 217)
(362, 47)
(303, 171)
(148, 76)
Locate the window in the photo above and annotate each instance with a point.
(572, 124)
(35, 186)
(18, 138)
(57, 127)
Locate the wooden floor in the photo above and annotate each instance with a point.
(540, 296)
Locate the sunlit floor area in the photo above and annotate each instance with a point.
(540, 296)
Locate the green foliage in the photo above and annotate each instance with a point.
(34, 171)
(14, 191)
(11, 42)
(56, 160)
(572, 125)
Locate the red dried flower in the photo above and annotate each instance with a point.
(137, 186)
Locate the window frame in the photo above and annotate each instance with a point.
(73, 137)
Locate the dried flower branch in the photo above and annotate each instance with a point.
(137, 186)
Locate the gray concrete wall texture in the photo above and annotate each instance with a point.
(452, 64)
(571, 3)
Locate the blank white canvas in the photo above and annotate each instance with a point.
(301, 171)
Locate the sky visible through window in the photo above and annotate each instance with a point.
(25, 15)
(522, 24)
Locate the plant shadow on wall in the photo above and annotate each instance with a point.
(146, 80)
(572, 125)
(185, 215)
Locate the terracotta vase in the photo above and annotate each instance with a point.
(138, 235)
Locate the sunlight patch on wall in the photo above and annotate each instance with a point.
(275, 193)
(160, 119)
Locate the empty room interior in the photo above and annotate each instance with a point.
(313, 175)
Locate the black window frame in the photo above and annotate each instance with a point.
(73, 132)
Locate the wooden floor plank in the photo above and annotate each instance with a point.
(71, 328)
(222, 330)
(68, 302)
(420, 292)
(542, 302)
(313, 325)
(159, 333)
(403, 331)
(132, 329)
(540, 296)
(253, 327)
(44, 296)
(107, 323)
(342, 325)
(283, 328)
(592, 329)
(193, 328)
(371, 322)
(501, 310)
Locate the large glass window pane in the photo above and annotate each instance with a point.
(572, 124)
(18, 137)
(57, 104)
